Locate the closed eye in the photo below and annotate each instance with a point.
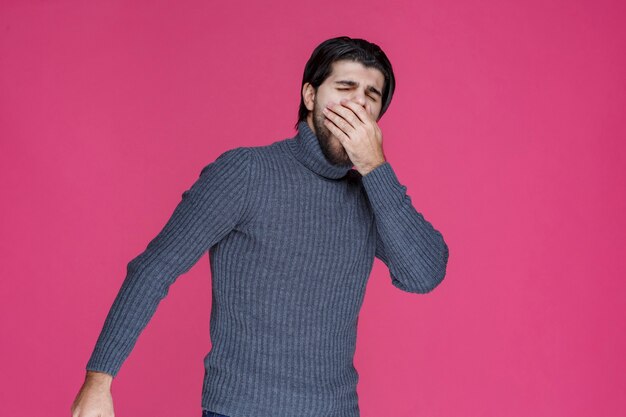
(346, 89)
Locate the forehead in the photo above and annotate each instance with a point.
(350, 70)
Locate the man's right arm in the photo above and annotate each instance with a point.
(94, 398)
(100, 378)
(207, 212)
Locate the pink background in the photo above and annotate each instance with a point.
(507, 127)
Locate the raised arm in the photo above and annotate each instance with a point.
(415, 252)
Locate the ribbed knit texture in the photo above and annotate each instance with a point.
(291, 241)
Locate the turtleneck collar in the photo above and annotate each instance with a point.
(306, 148)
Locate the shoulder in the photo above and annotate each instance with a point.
(241, 154)
(237, 161)
(250, 161)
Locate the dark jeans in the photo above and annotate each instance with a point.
(207, 413)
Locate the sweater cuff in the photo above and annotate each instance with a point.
(383, 188)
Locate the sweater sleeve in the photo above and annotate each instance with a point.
(414, 252)
(206, 213)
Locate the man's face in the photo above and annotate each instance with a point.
(351, 80)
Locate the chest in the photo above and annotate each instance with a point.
(306, 218)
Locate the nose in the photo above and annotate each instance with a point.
(359, 99)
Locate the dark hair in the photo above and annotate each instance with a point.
(319, 66)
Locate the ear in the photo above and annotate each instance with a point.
(308, 96)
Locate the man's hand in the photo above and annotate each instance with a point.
(358, 132)
(94, 398)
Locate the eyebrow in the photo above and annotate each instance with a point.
(351, 83)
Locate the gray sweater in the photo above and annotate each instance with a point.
(291, 241)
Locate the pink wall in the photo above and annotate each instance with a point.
(507, 128)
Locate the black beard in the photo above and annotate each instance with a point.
(337, 157)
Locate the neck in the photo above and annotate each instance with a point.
(306, 148)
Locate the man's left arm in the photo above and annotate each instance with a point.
(413, 250)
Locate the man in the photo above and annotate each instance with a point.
(292, 232)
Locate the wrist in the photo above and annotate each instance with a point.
(100, 378)
(373, 167)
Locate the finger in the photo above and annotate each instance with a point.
(358, 110)
(340, 134)
(346, 113)
(338, 121)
